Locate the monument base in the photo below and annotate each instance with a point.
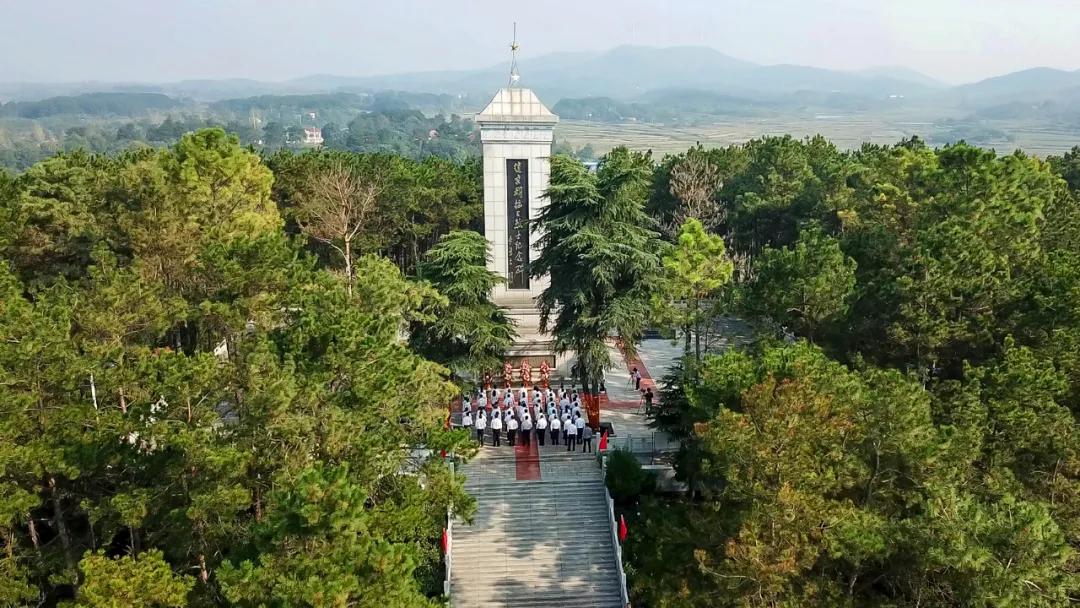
(533, 344)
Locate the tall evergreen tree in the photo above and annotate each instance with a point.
(601, 254)
(468, 332)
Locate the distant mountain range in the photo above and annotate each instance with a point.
(630, 73)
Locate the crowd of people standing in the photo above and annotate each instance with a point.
(527, 415)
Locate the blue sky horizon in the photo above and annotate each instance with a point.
(955, 41)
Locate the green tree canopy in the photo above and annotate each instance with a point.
(468, 332)
(695, 271)
(804, 286)
(601, 255)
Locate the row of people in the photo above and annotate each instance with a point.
(564, 401)
(521, 397)
(569, 427)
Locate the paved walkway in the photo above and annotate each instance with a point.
(624, 407)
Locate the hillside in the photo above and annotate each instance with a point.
(621, 72)
(92, 104)
(1035, 84)
(628, 71)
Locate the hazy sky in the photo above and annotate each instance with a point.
(161, 40)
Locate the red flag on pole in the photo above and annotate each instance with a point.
(445, 540)
(622, 529)
(603, 441)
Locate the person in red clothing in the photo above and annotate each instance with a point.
(526, 373)
(508, 374)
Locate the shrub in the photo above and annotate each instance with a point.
(625, 479)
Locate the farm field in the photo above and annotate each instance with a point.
(848, 132)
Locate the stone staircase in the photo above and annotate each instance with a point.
(535, 543)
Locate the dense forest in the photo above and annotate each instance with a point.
(409, 124)
(226, 374)
(903, 432)
(201, 406)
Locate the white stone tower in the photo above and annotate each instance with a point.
(516, 130)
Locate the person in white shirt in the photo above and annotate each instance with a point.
(571, 436)
(511, 429)
(564, 402)
(481, 403)
(555, 425)
(481, 424)
(526, 430)
(466, 421)
(541, 427)
(567, 422)
(496, 428)
(580, 424)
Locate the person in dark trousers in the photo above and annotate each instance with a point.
(571, 437)
(648, 398)
(637, 379)
(511, 428)
(466, 419)
(541, 427)
(526, 430)
(555, 426)
(586, 439)
(481, 424)
(496, 428)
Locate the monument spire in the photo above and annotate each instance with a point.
(514, 76)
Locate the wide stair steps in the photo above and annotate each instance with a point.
(536, 543)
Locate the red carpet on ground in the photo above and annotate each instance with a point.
(646, 378)
(527, 460)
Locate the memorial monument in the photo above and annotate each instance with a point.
(516, 131)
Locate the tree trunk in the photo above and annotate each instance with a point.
(258, 505)
(416, 256)
(33, 531)
(61, 525)
(697, 345)
(348, 267)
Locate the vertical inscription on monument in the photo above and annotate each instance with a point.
(517, 228)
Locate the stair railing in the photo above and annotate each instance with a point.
(448, 557)
(615, 535)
